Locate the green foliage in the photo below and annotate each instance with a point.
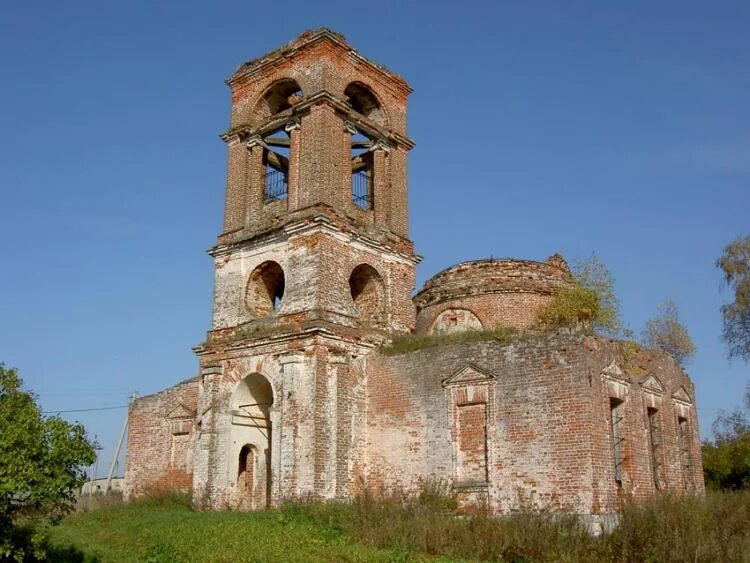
(735, 264)
(574, 305)
(402, 527)
(593, 275)
(589, 302)
(726, 460)
(412, 342)
(42, 462)
(666, 332)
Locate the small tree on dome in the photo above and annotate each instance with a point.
(589, 301)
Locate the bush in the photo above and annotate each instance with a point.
(726, 460)
(572, 306)
(589, 302)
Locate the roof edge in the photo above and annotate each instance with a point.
(307, 38)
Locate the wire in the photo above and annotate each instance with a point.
(88, 394)
(86, 410)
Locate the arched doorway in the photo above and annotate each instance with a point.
(251, 442)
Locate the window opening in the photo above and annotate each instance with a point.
(683, 438)
(654, 435)
(615, 421)
(276, 165)
(265, 289)
(362, 171)
(362, 100)
(279, 97)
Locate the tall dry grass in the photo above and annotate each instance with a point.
(668, 528)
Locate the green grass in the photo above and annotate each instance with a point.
(401, 528)
(172, 532)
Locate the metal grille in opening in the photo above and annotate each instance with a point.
(276, 185)
(362, 189)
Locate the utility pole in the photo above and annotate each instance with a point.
(92, 478)
(119, 445)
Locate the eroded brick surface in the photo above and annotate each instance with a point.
(546, 399)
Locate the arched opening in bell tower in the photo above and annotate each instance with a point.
(265, 289)
(251, 441)
(276, 155)
(278, 97)
(363, 170)
(364, 101)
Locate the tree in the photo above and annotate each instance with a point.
(735, 263)
(590, 300)
(666, 332)
(42, 463)
(726, 460)
(593, 275)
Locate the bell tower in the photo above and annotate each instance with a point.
(316, 212)
(313, 269)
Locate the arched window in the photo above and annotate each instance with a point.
(368, 293)
(362, 100)
(279, 97)
(265, 289)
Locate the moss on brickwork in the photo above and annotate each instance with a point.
(412, 342)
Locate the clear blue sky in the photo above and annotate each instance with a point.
(541, 127)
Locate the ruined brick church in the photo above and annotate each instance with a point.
(300, 393)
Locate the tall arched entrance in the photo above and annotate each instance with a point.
(250, 462)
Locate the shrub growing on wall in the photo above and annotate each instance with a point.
(589, 302)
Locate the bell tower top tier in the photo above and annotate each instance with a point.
(317, 130)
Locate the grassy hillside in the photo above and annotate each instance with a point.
(689, 529)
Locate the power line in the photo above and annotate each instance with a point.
(86, 410)
(86, 394)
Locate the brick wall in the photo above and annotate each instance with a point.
(161, 434)
(317, 264)
(547, 410)
(316, 419)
